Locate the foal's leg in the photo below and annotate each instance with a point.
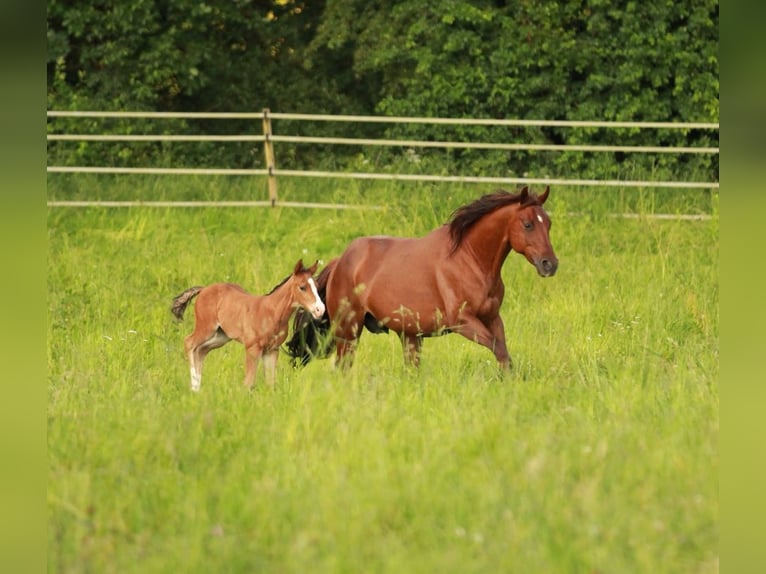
(270, 366)
(197, 346)
(192, 345)
(195, 369)
(412, 345)
(253, 354)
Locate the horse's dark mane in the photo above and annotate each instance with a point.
(463, 218)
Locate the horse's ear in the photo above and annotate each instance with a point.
(313, 268)
(544, 195)
(523, 194)
(298, 267)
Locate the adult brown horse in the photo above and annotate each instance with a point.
(447, 281)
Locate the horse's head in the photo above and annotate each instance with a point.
(304, 289)
(529, 229)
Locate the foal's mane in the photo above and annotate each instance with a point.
(278, 285)
(463, 218)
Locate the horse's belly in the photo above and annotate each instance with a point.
(407, 312)
(416, 323)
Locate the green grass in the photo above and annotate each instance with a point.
(597, 454)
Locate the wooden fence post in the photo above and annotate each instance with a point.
(268, 149)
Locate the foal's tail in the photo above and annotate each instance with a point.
(182, 301)
(310, 336)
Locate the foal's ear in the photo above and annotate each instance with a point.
(298, 267)
(544, 195)
(313, 268)
(523, 194)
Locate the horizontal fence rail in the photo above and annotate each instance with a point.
(364, 175)
(383, 119)
(267, 138)
(380, 142)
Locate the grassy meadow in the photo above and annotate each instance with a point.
(598, 453)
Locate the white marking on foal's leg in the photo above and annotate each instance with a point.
(196, 378)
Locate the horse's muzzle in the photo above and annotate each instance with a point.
(318, 310)
(547, 267)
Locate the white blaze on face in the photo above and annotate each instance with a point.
(539, 218)
(318, 308)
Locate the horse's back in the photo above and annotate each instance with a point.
(221, 290)
(371, 257)
(380, 274)
(218, 296)
(380, 251)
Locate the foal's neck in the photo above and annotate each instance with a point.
(281, 302)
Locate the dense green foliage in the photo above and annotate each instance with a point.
(597, 454)
(572, 60)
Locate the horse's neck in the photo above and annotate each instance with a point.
(280, 302)
(487, 241)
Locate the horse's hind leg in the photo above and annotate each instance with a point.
(197, 346)
(191, 348)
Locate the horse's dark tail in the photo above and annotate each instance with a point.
(180, 303)
(311, 336)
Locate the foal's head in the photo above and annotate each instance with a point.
(303, 289)
(528, 232)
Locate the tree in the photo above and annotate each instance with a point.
(548, 59)
(185, 56)
(535, 60)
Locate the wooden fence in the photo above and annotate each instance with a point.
(271, 172)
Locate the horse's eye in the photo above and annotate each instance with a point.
(527, 225)
(302, 287)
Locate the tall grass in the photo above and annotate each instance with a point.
(598, 453)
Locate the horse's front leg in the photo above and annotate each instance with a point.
(412, 345)
(500, 348)
(346, 339)
(492, 337)
(344, 353)
(270, 366)
(252, 357)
